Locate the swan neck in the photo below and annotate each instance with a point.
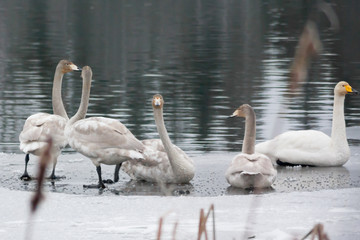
(57, 102)
(250, 133)
(85, 95)
(175, 161)
(338, 131)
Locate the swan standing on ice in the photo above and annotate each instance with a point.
(310, 147)
(103, 140)
(164, 162)
(249, 169)
(38, 127)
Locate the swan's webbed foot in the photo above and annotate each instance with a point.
(180, 192)
(100, 183)
(26, 177)
(53, 176)
(108, 181)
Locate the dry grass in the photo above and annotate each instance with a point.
(202, 224)
(317, 232)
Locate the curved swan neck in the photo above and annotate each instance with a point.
(250, 132)
(85, 95)
(174, 159)
(57, 102)
(338, 131)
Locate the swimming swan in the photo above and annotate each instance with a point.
(163, 161)
(103, 140)
(38, 127)
(249, 169)
(310, 147)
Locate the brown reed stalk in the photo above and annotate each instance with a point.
(174, 230)
(161, 221)
(203, 221)
(317, 230)
(44, 161)
(38, 196)
(159, 229)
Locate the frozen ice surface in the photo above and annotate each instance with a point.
(209, 179)
(266, 216)
(301, 198)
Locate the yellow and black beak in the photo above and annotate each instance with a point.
(350, 90)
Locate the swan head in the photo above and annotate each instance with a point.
(343, 88)
(86, 72)
(242, 111)
(157, 101)
(67, 66)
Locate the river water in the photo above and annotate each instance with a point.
(205, 57)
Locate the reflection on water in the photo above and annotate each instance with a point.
(205, 57)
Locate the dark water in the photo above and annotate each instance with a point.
(205, 57)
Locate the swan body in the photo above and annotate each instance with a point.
(311, 147)
(249, 169)
(163, 161)
(103, 140)
(38, 127)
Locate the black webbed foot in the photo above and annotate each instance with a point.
(26, 177)
(100, 184)
(108, 181)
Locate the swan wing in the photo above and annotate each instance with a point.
(105, 133)
(38, 128)
(151, 169)
(310, 140)
(296, 147)
(252, 164)
(155, 167)
(255, 170)
(98, 136)
(156, 145)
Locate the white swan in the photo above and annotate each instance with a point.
(249, 169)
(103, 140)
(310, 147)
(164, 162)
(38, 127)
